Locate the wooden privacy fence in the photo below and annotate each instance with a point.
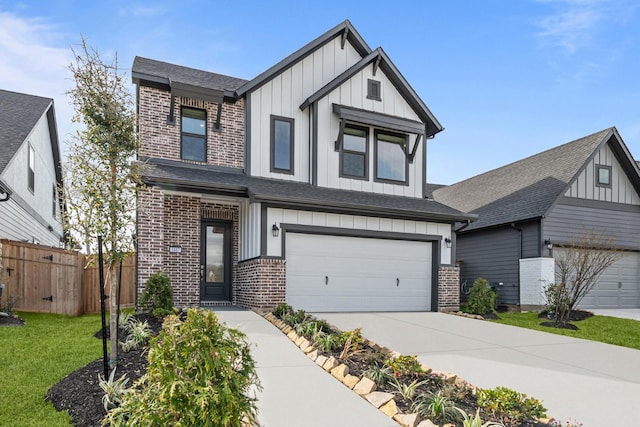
(51, 280)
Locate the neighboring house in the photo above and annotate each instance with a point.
(305, 184)
(30, 171)
(531, 208)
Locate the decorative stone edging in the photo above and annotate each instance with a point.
(365, 387)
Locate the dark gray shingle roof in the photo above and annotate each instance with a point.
(524, 189)
(172, 174)
(150, 68)
(19, 113)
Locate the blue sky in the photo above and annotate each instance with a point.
(506, 78)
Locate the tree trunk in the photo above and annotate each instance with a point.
(113, 315)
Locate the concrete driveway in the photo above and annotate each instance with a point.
(623, 313)
(593, 383)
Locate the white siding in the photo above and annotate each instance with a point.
(17, 222)
(353, 93)
(283, 95)
(621, 191)
(354, 222)
(250, 215)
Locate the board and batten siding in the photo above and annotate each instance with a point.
(621, 191)
(250, 215)
(353, 93)
(492, 255)
(352, 222)
(565, 222)
(283, 95)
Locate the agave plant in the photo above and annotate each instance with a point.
(113, 389)
(476, 421)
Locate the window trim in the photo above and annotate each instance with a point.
(54, 210)
(205, 136)
(597, 177)
(366, 154)
(272, 149)
(374, 88)
(31, 172)
(406, 157)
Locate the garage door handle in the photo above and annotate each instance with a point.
(397, 282)
(326, 280)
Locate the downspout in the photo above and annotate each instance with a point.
(519, 230)
(463, 227)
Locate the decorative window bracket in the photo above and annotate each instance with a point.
(343, 40)
(340, 135)
(376, 64)
(412, 155)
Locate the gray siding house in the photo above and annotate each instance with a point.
(30, 171)
(528, 210)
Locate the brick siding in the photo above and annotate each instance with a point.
(162, 140)
(261, 283)
(448, 288)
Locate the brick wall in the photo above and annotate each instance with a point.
(150, 234)
(159, 139)
(261, 283)
(448, 288)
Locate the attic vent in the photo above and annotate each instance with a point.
(373, 90)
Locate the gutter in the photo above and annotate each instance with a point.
(6, 191)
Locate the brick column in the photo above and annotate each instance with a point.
(261, 283)
(448, 288)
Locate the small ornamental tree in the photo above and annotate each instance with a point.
(100, 193)
(578, 268)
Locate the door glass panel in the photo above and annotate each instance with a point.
(215, 254)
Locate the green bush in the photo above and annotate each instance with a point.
(282, 309)
(482, 299)
(511, 407)
(200, 373)
(404, 365)
(157, 297)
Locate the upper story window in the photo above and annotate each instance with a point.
(354, 153)
(282, 144)
(194, 135)
(31, 174)
(373, 90)
(392, 164)
(603, 176)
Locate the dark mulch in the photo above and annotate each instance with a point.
(11, 320)
(575, 316)
(79, 392)
(560, 325)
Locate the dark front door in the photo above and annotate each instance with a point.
(215, 267)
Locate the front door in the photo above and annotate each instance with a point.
(215, 266)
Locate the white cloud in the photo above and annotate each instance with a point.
(139, 11)
(33, 64)
(574, 24)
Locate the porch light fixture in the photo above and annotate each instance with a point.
(447, 241)
(548, 244)
(275, 230)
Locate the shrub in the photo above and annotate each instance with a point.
(404, 365)
(8, 306)
(157, 297)
(352, 343)
(558, 304)
(327, 342)
(510, 406)
(482, 299)
(200, 373)
(113, 389)
(281, 309)
(436, 407)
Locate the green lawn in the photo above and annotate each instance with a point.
(36, 356)
(610, 330)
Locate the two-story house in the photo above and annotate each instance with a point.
(305, 184)
(30, 170)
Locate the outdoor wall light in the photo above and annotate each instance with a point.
(447, 241)
(548, 244)
(275, 230)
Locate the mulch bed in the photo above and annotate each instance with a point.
(11, 320)
(79, 392)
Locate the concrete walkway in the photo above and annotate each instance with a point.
(593, 383)
(297, 392)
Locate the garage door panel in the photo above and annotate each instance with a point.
(617, 287)
(361, 273)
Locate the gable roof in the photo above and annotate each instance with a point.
(207, 179)
(344, 28)
(528, 188)
(396, 78)
(164, 73)
(19, 113)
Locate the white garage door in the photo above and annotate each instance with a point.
(337, 273)
(618, 286)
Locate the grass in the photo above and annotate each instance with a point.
(36, 356)
(610, 330)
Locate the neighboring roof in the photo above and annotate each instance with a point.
(206, 179)
(396, 78)
(528, 188)
(164, 73)
(344, 28)
(19, 113)
(430, 188)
